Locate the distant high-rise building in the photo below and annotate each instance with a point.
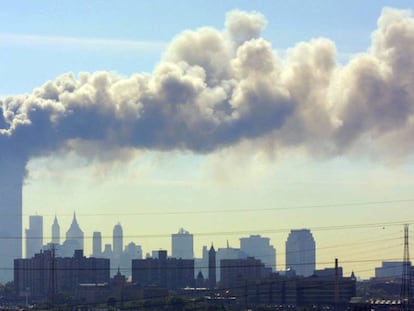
(97, 244)
(55, 232)
(12, 171)
(159, 253)
(205, 253)
(212, 267)
(201, 264)
(131, 252)
(120, 258)
(117, 240)
(259, 248)
(300, 252)
(182, 245)
(34, 236)
(391, 270)
(227, 253)
(107, 252)
(75, 234)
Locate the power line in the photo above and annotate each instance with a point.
(319, 263)
(250, 231)
(229, 211)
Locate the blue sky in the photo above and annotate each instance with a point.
(250, 191)
(28, 65)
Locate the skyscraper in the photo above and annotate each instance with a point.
(97, 244)
(11, 182)
(182, 245)
(55, 232)
(259, 248)
(75, 234)
(300, 252)
(131, 251)
(117, 240)
(212, 267)
(107, 252)
(201, 264)
(34, 236)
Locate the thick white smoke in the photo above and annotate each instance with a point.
(215, 88)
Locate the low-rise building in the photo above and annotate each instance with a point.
(44, 275)
(235, 271)
(170, 273)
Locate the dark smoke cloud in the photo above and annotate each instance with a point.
(214, 89)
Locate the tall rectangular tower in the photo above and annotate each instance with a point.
(182, 245)
(97, 244)
(34, 236)
(11, 184)
(301, 252)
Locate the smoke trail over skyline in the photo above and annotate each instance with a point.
(214, 89)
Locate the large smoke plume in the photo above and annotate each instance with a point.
(217, 88)
(214, 88)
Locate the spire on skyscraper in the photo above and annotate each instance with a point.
(212, 267)
(55, 231)
(75, 233)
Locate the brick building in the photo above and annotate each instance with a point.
(44, 275)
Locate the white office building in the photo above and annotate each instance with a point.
(182, 245)
(259, 248)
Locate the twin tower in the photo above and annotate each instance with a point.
(11, 185)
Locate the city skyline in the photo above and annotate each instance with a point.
(256, 118)
(300, 255)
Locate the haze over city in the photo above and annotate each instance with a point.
(226, 119)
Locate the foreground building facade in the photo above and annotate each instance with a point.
(171, 273)
(44, 275)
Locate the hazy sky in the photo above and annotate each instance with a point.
(312, 129)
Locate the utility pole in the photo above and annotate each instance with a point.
(406, 275)
(52, 276)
